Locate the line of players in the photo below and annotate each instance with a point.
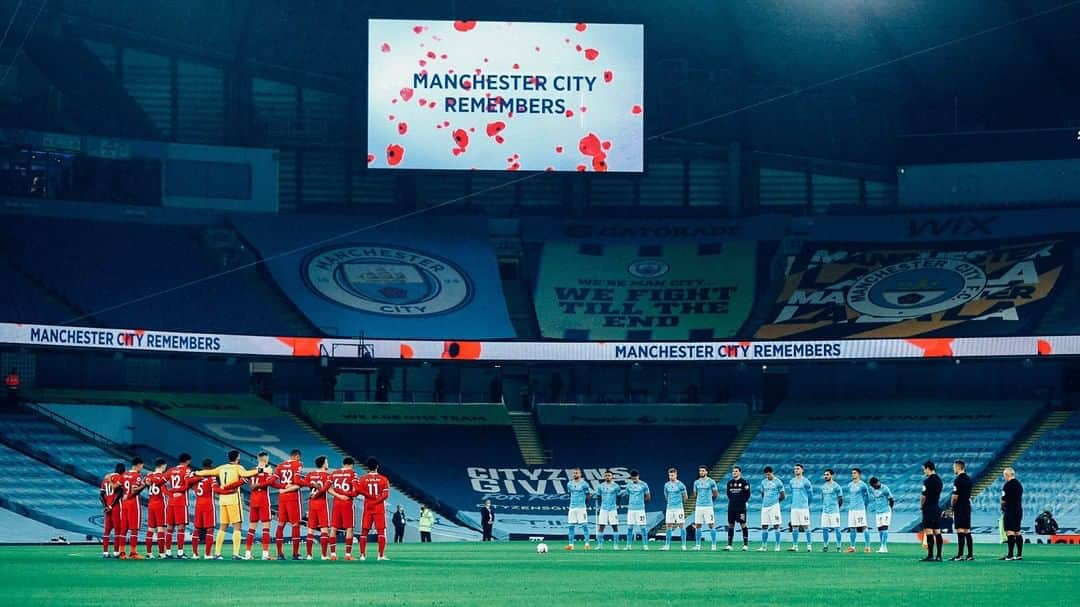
(861, 498)
(330, 506)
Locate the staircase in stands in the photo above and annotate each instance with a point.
(1053, 420)
(722, 467)
(528, 439)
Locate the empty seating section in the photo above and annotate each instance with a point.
(96, 266)
(890, 447)
(50, 495)
(18, 529)
(23, 301)
(63, 447)
(1050, 473)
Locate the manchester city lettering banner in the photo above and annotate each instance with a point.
(422, 279)
(680, 291)
(867, 291)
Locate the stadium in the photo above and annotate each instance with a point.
(328, 301)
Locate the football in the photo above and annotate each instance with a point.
(541, 548)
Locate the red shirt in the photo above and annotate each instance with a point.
(376, 489)
(130, 482)
(319, 481)
(207, 486)
(12, 380)
(177, 483)
(260, 487)
(288, 473)
(342, 482)
(155, 481)
(110, 492)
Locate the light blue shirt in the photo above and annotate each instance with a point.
(831, 492)
(858, 495)
(704, 487)
(578, 490)
(770, 491)
(801, 490)
(637, 492)
(879, 499)
(673, 493)
(608, 492)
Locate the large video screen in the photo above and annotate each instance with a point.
(486, 95)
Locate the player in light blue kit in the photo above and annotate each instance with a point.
(881, 507)
(705, 492)
(638, 492)
(674, 516)
(858, 497)
(772, 493)
(579, 514)
(608, 491)
(801, 490)
(832, 497)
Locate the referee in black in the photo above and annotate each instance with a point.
(738, 494)
(930, 504)
(960, 505)
(1012, 514)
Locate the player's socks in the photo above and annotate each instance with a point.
(697, 539)
(930, 547)
(866, 538)
(764, 537)
(296, 540)
(970, 545)
(250, 541)
(713, 532)
(348, 547)
(382, 544)
(161, 543)
(825, 536)
(1011, 540)
(730, 535)
(194, 543)
(150, 537)
(237, 538)
(884, 537)
(279, 538)
(363, 544)
(682, 536)
(134, 544)
(219, 541)
(180, 541)
(961, 543)
(667, 538)
(266, 540)
(105, 544)
(809, 538)
(745, 536)
(1019, 546)
(778, 540)
(939, 542)
(570, 529)
(168, 541)
(310, 541)
(851, 538)
(324, 542)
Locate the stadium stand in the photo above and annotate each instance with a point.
(33, 432)
(18, 529)
(1050, 472)
(887, 440)
(48, 495)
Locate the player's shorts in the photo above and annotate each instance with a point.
(259, 513)
(931, 519)
(962, 517)
(318, 515)
(800, 517)
(342, 515)
(771, 516)
(376, 518)
(132, 514)
(883, 519)
(155, 515)
(204, 517)
(736, 516)
(830, 520)
(114, 519)
(289, 509)
(176, 513)
(674, 516)
(607, 517)
(1012, 519)
(704, 515)
(577, 516)
(636, 518)
(856, 518)
(229, 514)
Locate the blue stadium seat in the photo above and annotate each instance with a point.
(62, 500)
(67, 449)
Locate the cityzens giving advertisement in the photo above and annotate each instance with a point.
(502, 95)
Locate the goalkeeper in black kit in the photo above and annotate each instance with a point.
(738, 494)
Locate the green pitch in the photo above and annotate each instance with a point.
(513, 574)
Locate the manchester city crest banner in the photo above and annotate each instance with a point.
(696, 291)
(985, 288)
(427, 279)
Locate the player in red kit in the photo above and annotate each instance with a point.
(289, 504)
(259, 508)
(318, 511)
(110, 503)
(343, 488)
(205, 509)
(376, 490)
(155, 509)
(132, 484)
(176, 506)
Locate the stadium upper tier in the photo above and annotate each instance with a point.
(887, 440)
(766, 277)
(1050, 473)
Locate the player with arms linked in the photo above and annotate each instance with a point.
(637, 491)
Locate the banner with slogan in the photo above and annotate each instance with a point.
(651, 292)
(984, 288)
(551, 414)
(411, 413)
(409, 279)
